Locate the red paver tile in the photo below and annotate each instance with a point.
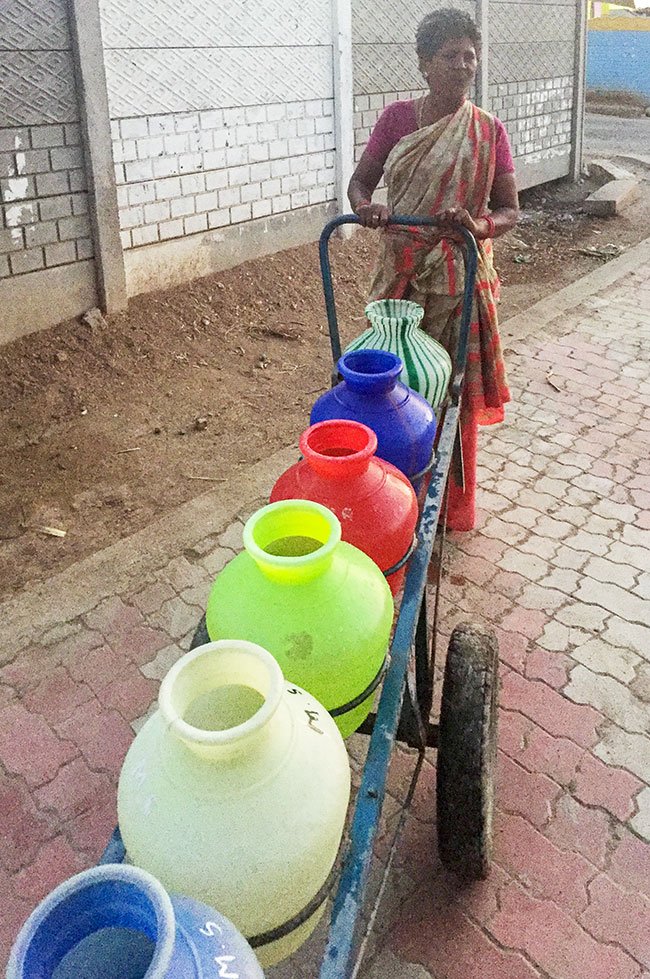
(576, 827)
(14, 913)
(90, 832)
(481, 899)
(141, 643)
(528, 622)
(72, 791)
(630, 863)
(559, 875)
(131, 695)
(512, 648)
(551, 938)
(57, 696)
(619, 917)
(549, 709)
(29, 747)
(537, 750)
(24, 672)
(99, 667)
(550, 666)
(524, 793)
(54, 862)
(435, 932)
(102, 736)
(22, 827)
(597, 784)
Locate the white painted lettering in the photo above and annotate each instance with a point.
(222, 961)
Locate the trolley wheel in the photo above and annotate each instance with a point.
(467, 748)
(200, 636)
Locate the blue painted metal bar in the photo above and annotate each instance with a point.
(114, 852)
(348, 902)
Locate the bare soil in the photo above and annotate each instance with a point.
(102, 430)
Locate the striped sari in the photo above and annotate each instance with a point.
(450, 163)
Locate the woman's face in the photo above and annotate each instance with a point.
(453, 67)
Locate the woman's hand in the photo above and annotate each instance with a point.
(449, 220)
(372, 215)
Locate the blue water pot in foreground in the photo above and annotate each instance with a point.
(118, 922)
(371, 393)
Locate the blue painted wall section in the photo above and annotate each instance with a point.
(619, 61)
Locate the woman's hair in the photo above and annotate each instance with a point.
(444, 25)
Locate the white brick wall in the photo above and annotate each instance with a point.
(536, 114)
(43, 201)
(184, 173)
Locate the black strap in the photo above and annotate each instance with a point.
(274, 934)
(402, 561)
(359, 699)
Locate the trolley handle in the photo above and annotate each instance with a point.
(470, 256)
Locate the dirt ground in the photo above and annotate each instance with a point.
(104, 429)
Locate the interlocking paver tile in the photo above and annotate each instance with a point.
(615, 661)
(29, 747)
(613, 789)
(612, 698)
(629, 863)
(551, 937)
(619, 917)
(527, 794)
(550, 710)
(578, 827)
(548, 871)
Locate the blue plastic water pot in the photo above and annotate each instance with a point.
(371, 393)
(118, 922)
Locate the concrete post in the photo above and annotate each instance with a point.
(483, 76)
(578, 112)
(88, 52)
(343, 98)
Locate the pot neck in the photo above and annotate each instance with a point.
(370, 373)
(338, 449)
(292, 541)
(394, 316)
(222, 699)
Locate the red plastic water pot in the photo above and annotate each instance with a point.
(374, 501)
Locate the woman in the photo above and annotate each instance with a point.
(442, 155)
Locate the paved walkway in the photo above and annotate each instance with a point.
(560, 565)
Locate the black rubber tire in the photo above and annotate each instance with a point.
(467, 748)
(201, 636)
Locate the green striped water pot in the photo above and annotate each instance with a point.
(395, 326)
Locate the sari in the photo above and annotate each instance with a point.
(450, 163)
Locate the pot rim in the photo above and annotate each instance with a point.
(105, 873)
(206, 738)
